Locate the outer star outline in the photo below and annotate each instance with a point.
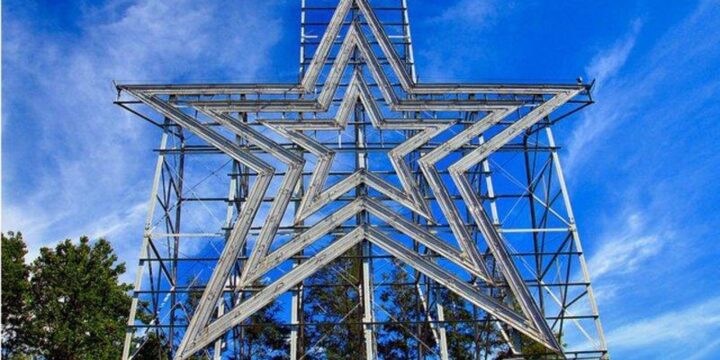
(534, 326)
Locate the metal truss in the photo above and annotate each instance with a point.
(444, 203)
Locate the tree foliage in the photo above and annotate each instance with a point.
(532, 350)
(469, 336)
(153, 346)
(263, 335)
(410, 336)
(332, 296)
(402, 339)
(16, 288)
(79, 309)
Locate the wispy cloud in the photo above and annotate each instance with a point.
(693, 327)
(625, 95)
(604, 69)
(75, 163)
(626, 248)
(471, 13)
(608, 63)
(637, 196)
(706, 351)
(640, 160)
(466, 22)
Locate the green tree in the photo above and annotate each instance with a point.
(532, 350)
(264, 336)
(153, 346)
(468, 335)
(332, 296)
(529, 348)
(79, 308)
(399, 338)
(16, 288)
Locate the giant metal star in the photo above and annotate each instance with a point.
(202, 331)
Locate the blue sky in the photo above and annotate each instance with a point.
(640, 163)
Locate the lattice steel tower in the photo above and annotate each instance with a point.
(360, 213)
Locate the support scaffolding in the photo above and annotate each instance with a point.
(450, 193)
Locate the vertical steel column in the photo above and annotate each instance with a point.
(538, 244)
(367, 273)
(177, 231)
(243, 188)
(296, 302)
(443, 332)
(296, 312)
(490, 188)
(409, 56)
(297, 296)
(363, 219)
(144, 248)
(576, 239)
(302, 40)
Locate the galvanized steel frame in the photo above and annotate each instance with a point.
(532, 105)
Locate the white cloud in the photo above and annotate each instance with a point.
(625, 254)
(603, 69)
(623, 96)
(624, 250)
(472, 13)
(618, 135)
(608, 63)
(693, 325)
(466, 21)
(79, 164)
(707, 351)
